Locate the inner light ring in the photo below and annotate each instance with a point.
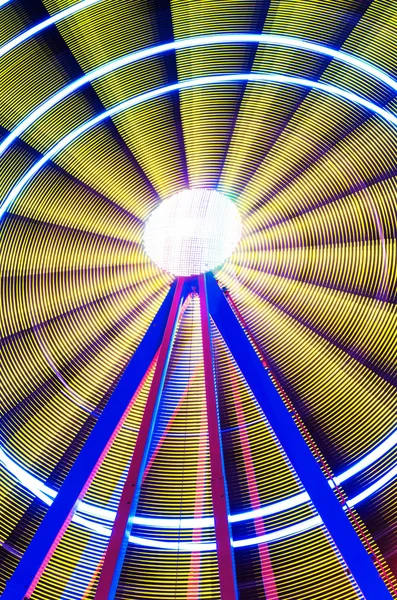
(187, 84)
(278, 534)
(32, 31)
(243, 77)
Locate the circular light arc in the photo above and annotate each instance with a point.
(238, 38)
(32, 31)
(191, 83)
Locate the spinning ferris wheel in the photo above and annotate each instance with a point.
(198, 262)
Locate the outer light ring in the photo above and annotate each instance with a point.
(37, 488)
(47, 494)
(333, 90)
(276, 40)
(29, 33)
(187, 84)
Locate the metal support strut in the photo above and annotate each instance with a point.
(121, 531)
(227, 577)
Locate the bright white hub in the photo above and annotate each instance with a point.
(192, 232)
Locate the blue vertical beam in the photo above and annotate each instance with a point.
(308, 470)
(32, 564)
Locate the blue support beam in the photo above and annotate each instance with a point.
(25, 577)
(329, 508)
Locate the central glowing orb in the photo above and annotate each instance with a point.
(192, 232)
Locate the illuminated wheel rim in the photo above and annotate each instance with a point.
(315, 262)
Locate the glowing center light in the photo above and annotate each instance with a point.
(192, 232)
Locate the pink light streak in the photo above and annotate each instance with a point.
(268, 578)
(193, 591)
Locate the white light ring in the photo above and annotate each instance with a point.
(209, 80)
(233, 38)
(47, 494)
(267, 538)
(372, 489)
(29, 33)
(369, 459)
(186, 84)
(273, 536)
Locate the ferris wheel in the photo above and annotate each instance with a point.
(198, 299)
